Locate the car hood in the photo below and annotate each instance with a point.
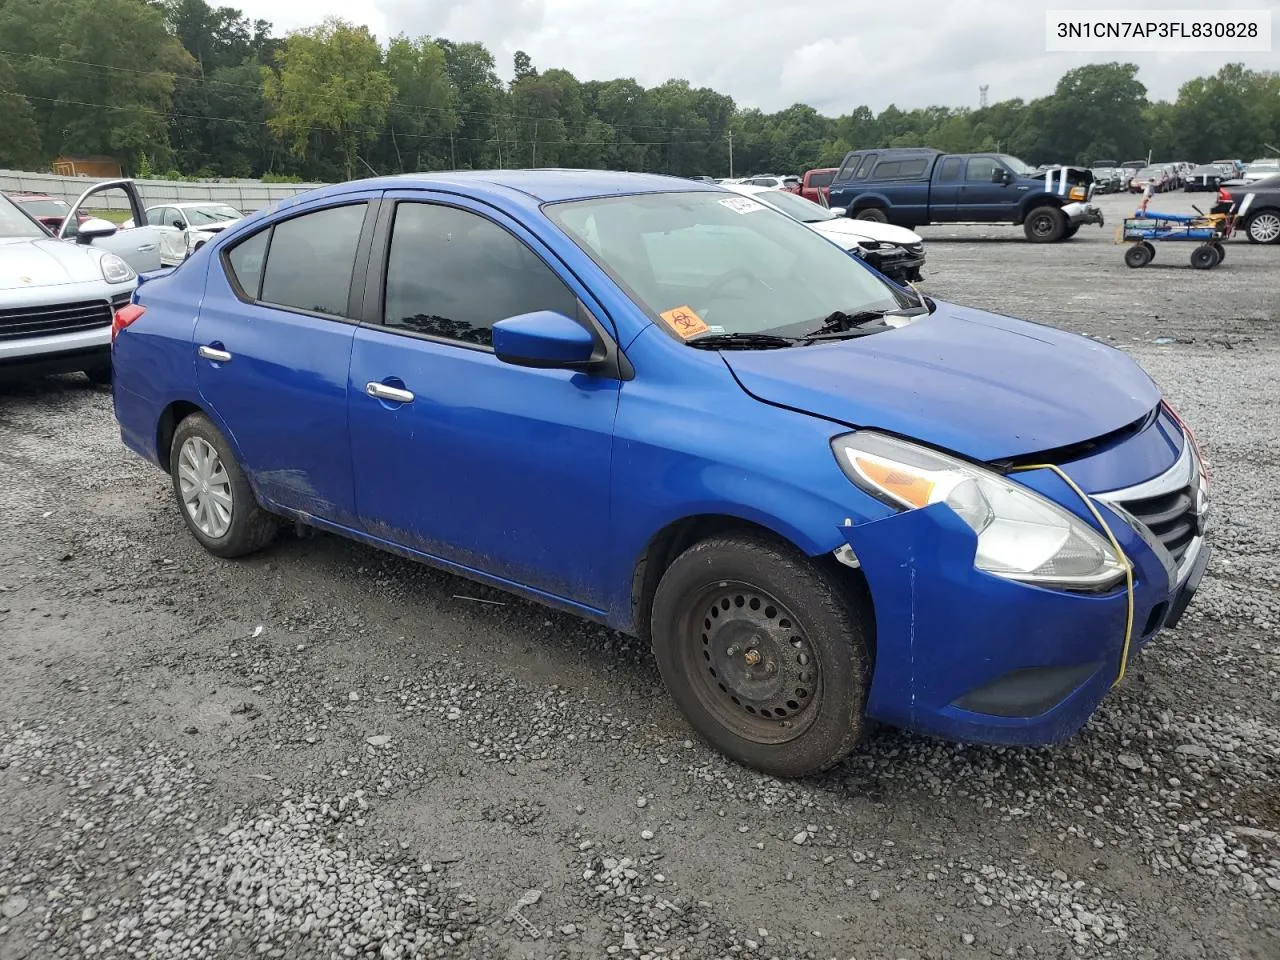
(982, 385)
(847, 232)
(45, 262)
(215, 227)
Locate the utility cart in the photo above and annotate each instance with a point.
(1147, 228)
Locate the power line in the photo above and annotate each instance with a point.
(180, 78)
(314, 129)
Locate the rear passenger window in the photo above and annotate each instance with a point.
(244, 263)
(311, 259)
(949, 172)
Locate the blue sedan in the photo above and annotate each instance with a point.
(821, 497)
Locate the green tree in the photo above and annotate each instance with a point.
(20, 143)
(331, 81)
(424, 113)
(1095, 111)
(480, 102)
(1230, 114)
(98, 74)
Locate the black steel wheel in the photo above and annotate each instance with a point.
(1204, 257)
(764, 652)
(1138, 255)
(1047, 224)
(1222, 250)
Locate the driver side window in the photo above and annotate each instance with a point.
(981, 169)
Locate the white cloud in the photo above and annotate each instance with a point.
(834, 57)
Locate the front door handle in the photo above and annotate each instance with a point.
(382, 391)
(214, 354)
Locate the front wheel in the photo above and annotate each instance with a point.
(1204, 257)
(101, 374)
(213, 493)
(1045, 225)
(1071, 231)
(1137, 256)
(764, 653)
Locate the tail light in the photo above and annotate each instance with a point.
(1224, 195)
(124, 317)
(1195, 444)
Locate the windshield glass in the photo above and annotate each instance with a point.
(211, 213)
(739, 266)
(45, 208)
(15, 223)
(1016, 165)
(1149, 173)
(794, 205)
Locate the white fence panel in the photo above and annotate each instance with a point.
(245, 195)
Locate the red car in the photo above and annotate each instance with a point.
(50, 211)
(815, 185)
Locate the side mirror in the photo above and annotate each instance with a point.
(544, 340)
(128, 225)
(178, 224)
(93, 229)
(838, 211)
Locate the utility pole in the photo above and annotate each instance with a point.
(982, 97)
(731, 154)
(453, 157)
(534, 162)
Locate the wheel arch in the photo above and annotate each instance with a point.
(1035, 201)
(678, 535)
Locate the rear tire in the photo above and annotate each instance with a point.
(1222, 251)
(1137, 256)
(764, 653)
(874, 214)
(1204, 257)
(1263, 227)
(1045, 225)
(214, 496)
(101, 374)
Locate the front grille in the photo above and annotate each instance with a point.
(1170, 516)
(18, 322)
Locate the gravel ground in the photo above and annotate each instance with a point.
(328, 752)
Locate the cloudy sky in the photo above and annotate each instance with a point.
(772, 54)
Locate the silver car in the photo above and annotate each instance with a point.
(57, 296)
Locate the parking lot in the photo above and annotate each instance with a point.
(324, 751)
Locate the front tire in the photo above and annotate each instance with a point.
(1045, 224)
(764, 653)
(214, 496)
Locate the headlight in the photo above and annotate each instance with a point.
(115, 270)
(1021, 535)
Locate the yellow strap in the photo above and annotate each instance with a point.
(1115, 545)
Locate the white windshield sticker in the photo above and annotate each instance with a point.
(741, 204)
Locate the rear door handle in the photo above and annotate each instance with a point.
(214, 354)
(381, 391)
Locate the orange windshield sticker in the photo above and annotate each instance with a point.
(684, 322)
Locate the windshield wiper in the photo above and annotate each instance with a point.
(840, 325)
(747, 341)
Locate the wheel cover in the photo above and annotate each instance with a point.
(1042, 225)
(1265, 227)
(205, 487)
(751, 663)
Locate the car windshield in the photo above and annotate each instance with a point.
(1259, 166)
(736, 265)
(794, 205)
(1149, 173)
(16, 224)
(211, 213)
(1016, 165)
(45, 208)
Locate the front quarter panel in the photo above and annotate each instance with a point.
(690, 442)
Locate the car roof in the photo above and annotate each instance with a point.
(541, 186)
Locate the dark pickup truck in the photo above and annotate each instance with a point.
(913, 187)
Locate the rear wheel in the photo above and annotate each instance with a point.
(1204, 257)
(1263, 227)
(764, 653)
(100, 374)
(1137, 256)
(1045, 225)
(1222, 251)
(874, 214)
(213, 494)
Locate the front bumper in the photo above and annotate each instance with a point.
(1082, 212)
(972, 657)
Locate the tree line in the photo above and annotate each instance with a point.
(181, 88)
